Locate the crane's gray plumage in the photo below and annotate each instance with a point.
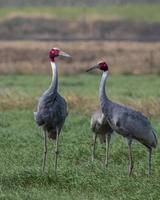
(51, 112)
(102, 129)
(126, 121)
(52, 108)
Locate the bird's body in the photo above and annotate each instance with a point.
(125, 120)
(100, 126)
(129, 123)
(52, 108)
(102, 129)
(51, 113)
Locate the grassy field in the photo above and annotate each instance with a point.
(21, 143)
(135, 12)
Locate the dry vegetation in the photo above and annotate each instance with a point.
(150, 107)
(11, 99)
(30, 57)
(123, 57)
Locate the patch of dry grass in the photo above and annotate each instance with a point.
(79, 103)
(11, 99)
(150, 107)
(123, 57)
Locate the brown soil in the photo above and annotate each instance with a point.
(38, 28)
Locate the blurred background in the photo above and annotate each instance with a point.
(126, 33)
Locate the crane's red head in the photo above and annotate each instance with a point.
(101, 65)
(55, 52)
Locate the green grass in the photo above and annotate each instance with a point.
(119, 86)
(21, 145)
(135, 12)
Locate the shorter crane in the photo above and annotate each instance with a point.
(102, 129)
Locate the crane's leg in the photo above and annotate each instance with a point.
(108, 138)
(56, 149)
(130, 167)
(94, 146)
(45, 150)
(149, 161)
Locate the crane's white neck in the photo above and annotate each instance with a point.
(54, 83)
(102, 93)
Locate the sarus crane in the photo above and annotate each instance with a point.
(125, 120)
(52, 108)
(101, 128)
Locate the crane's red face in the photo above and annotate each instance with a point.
(55, 52)
(101, 65)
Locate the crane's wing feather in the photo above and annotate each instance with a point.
(131, 123)
(51, 111)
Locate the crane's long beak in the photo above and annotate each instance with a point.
(62, 53)
(94, 67)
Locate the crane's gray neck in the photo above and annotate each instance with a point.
(54, 83)
(102, 93)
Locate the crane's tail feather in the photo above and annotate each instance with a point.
(52, 134)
